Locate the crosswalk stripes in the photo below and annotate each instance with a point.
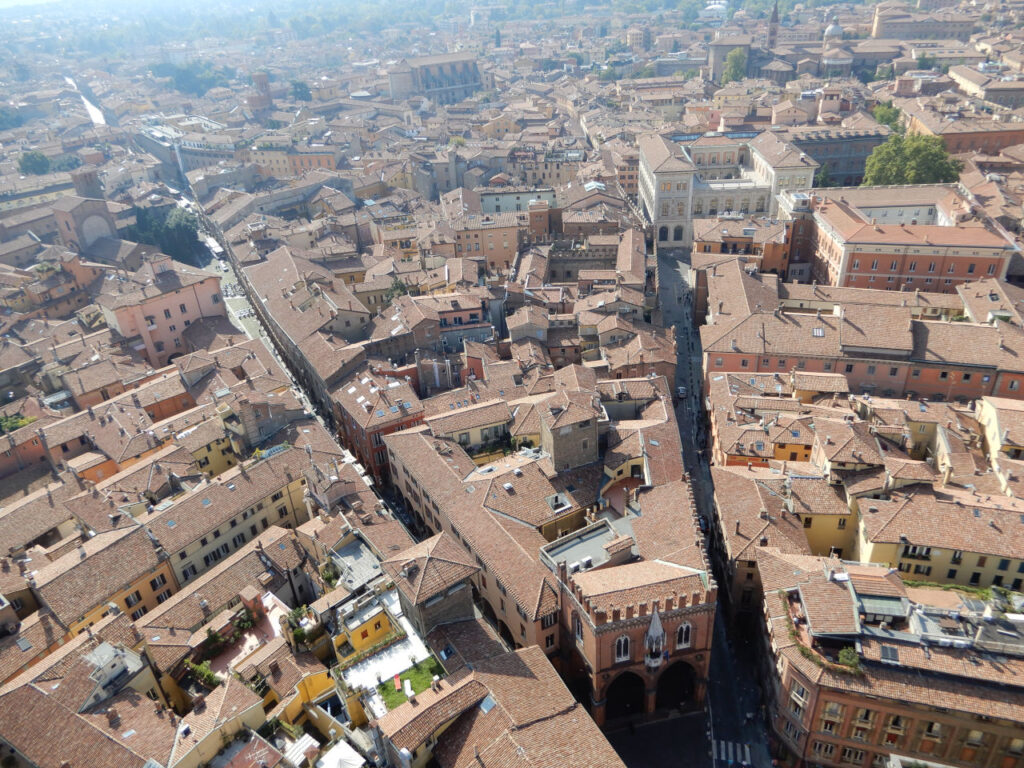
(731, 752)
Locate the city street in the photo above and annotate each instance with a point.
(675, 742)
(733, 705)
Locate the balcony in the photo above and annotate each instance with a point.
(917, 556)
(652, 660)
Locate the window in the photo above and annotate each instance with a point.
(823, 749)
(841, 524)
(871, 370)
(933, 730)
(158, 582)
(548, 621)
(163, 596)
(136, 615)
(549, 641)
(853, 756)
(622, 648)
(975, 738)
(133, 599)
(683, 636)
(183, 309)
(849, 367)
(577, 628)
(797, 699)
(277, 496)
(951, 573)
(1003, 564)
(874, 264)
(808, 521)
(167, 314)
(188, 572)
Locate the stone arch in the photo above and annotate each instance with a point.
(676, 686)
(488, 612)
(506, 634)
(93, 228)
(677, 233)
(624, 696)
(662, 234)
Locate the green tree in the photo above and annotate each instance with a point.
(735, 66)
(924, 61)
(913, 159)
(66, 163)
(398, 288)
(887, 114)
(9, 117)
(35, 163)
(174, 233)
(823, 178)
(13, 422)
(300, 91)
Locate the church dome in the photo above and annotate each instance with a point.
(833, 31)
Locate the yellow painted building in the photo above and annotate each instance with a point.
(364, 627)
(121, 568)
(1002, 424)
(215, 457)
(947, 538)
(213, 521)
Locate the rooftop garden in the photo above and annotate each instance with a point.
(419, 675)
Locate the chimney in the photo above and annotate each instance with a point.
(737, 527)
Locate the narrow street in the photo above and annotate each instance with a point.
(737, 733)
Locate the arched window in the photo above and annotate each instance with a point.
(622, 648)
(663, 233)
(577, 627)
(677, 233)
(683, 636)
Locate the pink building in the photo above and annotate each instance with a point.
(154, 305)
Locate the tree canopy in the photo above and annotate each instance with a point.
(35, 163)
(195, 78)
(887, 114)
(913, 159)
(9, 117)
(300, 91)
(174, 233)
(735, 66)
